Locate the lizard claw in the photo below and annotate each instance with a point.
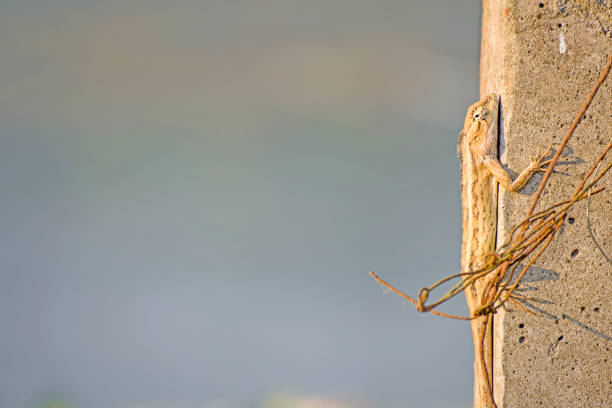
(548, 150)
(537, 163)
(544, 164)
(536, 158)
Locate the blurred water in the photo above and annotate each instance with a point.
(194, 192)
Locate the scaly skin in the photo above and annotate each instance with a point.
(481, 172)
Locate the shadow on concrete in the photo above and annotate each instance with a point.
(536, 274)
(543, 313)
(586, 327)
(529, 304)
(588, 220)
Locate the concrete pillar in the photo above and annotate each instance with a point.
(543, 58)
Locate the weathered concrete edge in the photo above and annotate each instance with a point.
(494, 80)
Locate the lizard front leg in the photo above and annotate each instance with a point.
(502, 177)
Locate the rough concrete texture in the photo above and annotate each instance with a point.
(543, 58)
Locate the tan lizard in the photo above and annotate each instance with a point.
(481, 172)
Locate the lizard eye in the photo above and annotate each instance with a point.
(479, 114)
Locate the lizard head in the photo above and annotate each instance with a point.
(481, 125)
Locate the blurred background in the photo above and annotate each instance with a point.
(193, 193)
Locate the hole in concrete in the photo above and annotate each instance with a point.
(522, 339)
(582, 308)
(560, 338)
(541, 5)
(521, 326)
(574, 253)
(571, 220)
(596, 309)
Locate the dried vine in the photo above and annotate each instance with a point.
(526, 241)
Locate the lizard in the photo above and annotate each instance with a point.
(481, 173)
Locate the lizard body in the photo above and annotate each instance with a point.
(481, 172)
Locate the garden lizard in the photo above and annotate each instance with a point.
(481, 172)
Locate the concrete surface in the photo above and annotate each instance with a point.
(544, 57)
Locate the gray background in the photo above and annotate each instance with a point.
(193, 193)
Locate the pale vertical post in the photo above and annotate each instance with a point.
(543, 58)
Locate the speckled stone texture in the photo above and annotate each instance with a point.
(543, 58)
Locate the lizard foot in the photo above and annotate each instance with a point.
(536, 162)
